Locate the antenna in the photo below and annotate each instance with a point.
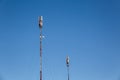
(40, 26)
(67, 64)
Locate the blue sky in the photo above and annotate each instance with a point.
(86, 30)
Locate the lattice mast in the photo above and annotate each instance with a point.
(67, 64)
(40, 26)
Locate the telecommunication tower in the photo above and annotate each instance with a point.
(67, 64)
(41, 37)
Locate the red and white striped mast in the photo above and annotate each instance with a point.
(40, 26)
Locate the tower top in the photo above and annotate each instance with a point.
(40, 21)
(67, 61)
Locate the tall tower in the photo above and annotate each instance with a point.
(67, 64)
(40, 26)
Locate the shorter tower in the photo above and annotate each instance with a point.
(67, 64)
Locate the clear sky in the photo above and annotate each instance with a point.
(86, 30)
